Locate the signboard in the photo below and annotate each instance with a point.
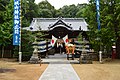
(16, 31)
(98, 13)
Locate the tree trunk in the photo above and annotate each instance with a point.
(2, 51)
(118, 47)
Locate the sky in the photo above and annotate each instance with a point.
(60, 3)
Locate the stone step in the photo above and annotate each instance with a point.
(57, 56)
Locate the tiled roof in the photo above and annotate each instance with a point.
(44, 24)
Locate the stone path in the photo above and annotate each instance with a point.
(59, 70)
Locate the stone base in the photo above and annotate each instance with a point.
(34, 60)
(86, 58)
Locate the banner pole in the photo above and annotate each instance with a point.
(20, 52)
(99, 27)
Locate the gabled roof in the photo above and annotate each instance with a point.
(45, 24)
(60, 22)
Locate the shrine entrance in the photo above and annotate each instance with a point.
(58, 32)
(59, 46)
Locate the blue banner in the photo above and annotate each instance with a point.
(98, 13)
(16, 31)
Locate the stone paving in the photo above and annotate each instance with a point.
(59, 70)
(62, 58)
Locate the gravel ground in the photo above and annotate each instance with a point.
(109, 70)
(24, 71)
(106, 71)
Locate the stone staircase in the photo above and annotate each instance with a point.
(57, 56)
(58, 59)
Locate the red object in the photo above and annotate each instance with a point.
(66, 40)
(113, 54)
(52, 41)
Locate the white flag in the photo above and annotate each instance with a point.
(53, 40)
(65, 39)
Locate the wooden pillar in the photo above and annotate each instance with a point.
(47, 48)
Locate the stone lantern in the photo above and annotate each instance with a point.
(34, 58)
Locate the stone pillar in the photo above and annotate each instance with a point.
(100, 56)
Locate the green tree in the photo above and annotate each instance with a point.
(69, 11)
(3, 4)
(110, 24)
(46, 10)
(81, 11)
(29, 11)
(6, 25)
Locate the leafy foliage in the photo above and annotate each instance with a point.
(109, 18)
(45, 9)
(6, 23)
